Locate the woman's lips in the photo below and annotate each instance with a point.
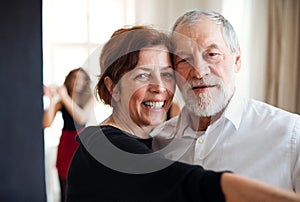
(154, 104)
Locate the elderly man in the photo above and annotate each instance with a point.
(215, 128)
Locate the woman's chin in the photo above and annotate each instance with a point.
(157, 120)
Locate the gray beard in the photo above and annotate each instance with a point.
(211, 102)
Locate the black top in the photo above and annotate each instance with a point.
(69, 122)
(112, 165)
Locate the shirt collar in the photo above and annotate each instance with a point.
(234, 110)
(183, 123)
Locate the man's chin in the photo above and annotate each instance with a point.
(205, 111)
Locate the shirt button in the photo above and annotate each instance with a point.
(201, 140)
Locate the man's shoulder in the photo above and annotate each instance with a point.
(264, 113)
(172, 122)
(167, 128)
(269, 109)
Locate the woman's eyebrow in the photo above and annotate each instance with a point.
(166, 67)
(144, 68)
(149, 67)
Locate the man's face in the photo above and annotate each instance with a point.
(205, 67)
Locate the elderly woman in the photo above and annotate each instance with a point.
(115, 162)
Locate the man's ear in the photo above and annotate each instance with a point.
(112, 88)
(238, 60)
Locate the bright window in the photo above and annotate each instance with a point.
(73, 34)
(73, 30)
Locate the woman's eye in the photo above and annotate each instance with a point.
(143, 76)
(168, 75)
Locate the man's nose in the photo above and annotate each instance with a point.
(200, 67)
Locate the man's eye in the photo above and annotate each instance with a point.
(213, 54)
(212, 57)
(184, 60)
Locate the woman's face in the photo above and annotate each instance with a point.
(146, 92)
(79, 82)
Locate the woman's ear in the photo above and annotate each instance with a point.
(112, 88)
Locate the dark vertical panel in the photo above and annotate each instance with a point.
(298, 87)
(21, 137)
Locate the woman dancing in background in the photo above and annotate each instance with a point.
(74, 100)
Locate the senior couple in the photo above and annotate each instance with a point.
(219, 148)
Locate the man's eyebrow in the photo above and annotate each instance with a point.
(181, 52)
(213, 46)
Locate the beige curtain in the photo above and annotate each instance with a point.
(283, 68)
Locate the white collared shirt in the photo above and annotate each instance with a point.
(251, 138)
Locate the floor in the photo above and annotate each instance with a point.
(51, 139)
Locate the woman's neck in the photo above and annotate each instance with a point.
(128, 126)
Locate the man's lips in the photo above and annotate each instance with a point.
(203, 87)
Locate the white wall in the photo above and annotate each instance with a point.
(249, 18)
(163, 13)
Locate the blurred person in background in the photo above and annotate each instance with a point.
(74, 99)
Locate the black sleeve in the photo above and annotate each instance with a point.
(198, 184)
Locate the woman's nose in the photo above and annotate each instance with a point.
(157, 85)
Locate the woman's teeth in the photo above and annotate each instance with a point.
(154, 105)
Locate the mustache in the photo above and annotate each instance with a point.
(206, 81)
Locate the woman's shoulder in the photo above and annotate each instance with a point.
(104, 136)
(107, 131)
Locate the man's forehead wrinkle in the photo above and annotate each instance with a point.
(194, 34)
(186, 32)
(182, 38)
(185, 45)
